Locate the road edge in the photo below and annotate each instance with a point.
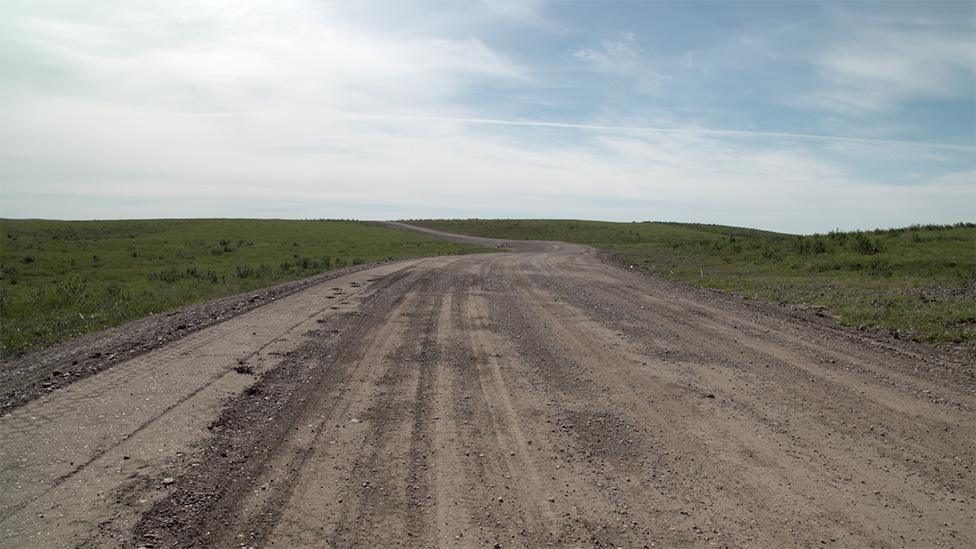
(28, 377)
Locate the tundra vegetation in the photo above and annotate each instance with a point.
(62, 279)
(917, 282)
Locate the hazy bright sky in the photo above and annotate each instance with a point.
(795, 116)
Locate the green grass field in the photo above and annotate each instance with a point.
(62, 279)
(917, 281)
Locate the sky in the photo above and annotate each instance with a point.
(791, 116)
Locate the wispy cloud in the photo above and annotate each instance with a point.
(615, 55)
(516, 10)
(661, 130)
(902, 60)
(715, 132)
(621, 56)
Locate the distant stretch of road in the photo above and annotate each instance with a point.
(535, 396)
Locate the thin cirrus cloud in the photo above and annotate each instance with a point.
(501, 109)
(885, 68)
(616, 55)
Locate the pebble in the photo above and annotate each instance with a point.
(169, 480)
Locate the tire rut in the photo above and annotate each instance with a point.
(254, 425)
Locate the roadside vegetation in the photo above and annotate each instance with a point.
(62, 279)
(917, 282)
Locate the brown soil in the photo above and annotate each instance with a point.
(526, 398)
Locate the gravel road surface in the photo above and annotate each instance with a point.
(536, 396)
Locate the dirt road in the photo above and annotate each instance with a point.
(532, 397)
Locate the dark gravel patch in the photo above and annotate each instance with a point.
(248, 431)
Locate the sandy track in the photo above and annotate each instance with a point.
(522, 399)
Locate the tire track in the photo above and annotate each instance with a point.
(251, 440)
(452, 522)
(390, 503)
(319, 433)
(509, 434)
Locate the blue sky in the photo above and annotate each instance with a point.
(792, 116)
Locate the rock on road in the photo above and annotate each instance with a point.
(531, 397)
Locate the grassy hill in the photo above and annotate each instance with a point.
(918, 282)
(62, 279)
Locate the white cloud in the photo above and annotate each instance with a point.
(253, 61)
(295, 109)
(884, 67)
